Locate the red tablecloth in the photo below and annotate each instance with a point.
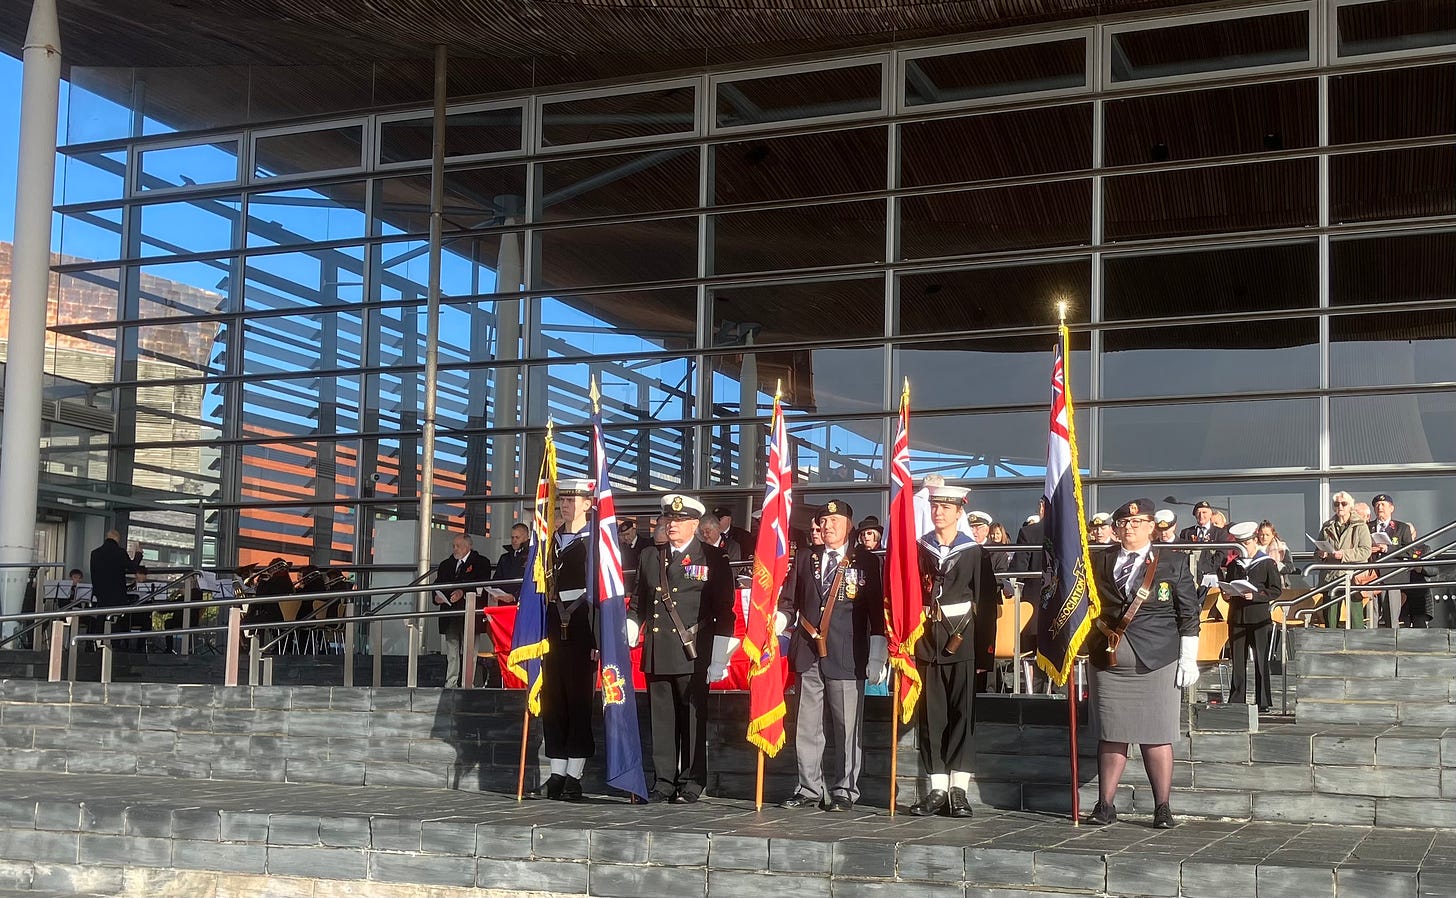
(500, 622)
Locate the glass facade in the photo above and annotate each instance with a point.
(1251, 217)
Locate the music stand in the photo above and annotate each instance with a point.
(59, 591)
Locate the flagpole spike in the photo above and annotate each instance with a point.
(1062, 312)
(778, 389)
(596, 396)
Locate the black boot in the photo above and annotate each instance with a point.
(960, 805)
(572, 790)
(553, 787)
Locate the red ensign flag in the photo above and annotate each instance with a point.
(904, 608)
(770, 566)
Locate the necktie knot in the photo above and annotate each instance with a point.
(833, 558)
(1123, 574)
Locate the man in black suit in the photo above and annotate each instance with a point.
(465, 565)
(1400, 534)
(742, 537)
(1032, 533)
(712, 534)
(836, 598)
(1203, 530)
(961, 600)
(1148, 624)
(109, 566)
(1250, 622)
(683, 611)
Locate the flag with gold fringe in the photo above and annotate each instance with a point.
(528, 641)
(770, 566)
(905, 600)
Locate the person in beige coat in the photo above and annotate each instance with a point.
(1350, 539)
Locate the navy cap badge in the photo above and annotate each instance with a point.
(677, 503)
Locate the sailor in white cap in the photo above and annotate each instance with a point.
(683, 612)
(568, 669)
(1250, 620)
(960, 629)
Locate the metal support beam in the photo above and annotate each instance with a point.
(30, 282)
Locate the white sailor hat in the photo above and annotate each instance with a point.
(1165, 518)
(978, 518)
(575, 487)
(682, 507)
(953, 495)
(1243, 530)
(1099, 519)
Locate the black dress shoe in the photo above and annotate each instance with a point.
(931, 804)
(1163, 817)
(839, 803)
(800, 800)
(685, 798)
(960, 805)
(571, 791)
(658, 796)
(552, 787)
(1103, 813)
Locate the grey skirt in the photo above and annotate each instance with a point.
(1131, 703)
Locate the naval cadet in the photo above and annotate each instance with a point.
(1256, 581)
(1144, 652)
(836, 601)
(569, 667)
(960, 629)
(683, 612)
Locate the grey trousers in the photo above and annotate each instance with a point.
(845, 701)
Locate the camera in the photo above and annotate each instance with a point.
(374, 477)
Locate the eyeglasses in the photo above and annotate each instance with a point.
(1339, 504)
(1125, 521)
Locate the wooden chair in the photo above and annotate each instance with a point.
(1212, 646)
(1009, 643)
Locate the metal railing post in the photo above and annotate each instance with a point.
(412, 672)
(58, 647)
(1349, 612)
(268, 670)
(107, 654)
(348, 650)
(1016, 642)
(376, 647)
(467, 643)
(185, 646)
(73, 626)
(255, 657)
(234, 645)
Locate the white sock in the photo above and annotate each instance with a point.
(558, 766)
(960, 779)
(575, 767)
(940, 781)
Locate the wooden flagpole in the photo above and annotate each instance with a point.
(758, 786)
(894, 741)
(1072, 722)
(525, 731)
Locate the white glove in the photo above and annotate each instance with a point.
(1187, 662)
(631, 630)
(723, 648)
(1209, 581)
(877, 671)
(781, 623)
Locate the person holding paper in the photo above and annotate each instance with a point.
(1386, 535)
(1249, 583)
(1346, 540)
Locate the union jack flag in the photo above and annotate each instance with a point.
(905, 608)
(770, 567)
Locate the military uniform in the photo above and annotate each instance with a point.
(696, 582)
(569, 667)
(1250, 622)
(1401, 535)
(846, 582)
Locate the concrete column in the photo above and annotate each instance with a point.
(24, 369)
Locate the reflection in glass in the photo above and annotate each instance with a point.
(1395, 429)
(87, 357)
(1247, 41)
(659, 181)
(609, 324)
(815, 382)
(200, 165)
(181, 350)
(996, 72)
(88, 296)
(1231, 357)
(637, 252)
(798, 311)
(798, 237)
(618, 116)
(467, 267)
(306, 215)
(1412, 183)
(185, 288)
(1393, 104)
(320, 150)
(993, 219)
(279, 344)
(1259, 196)
(1014, 368)
(985, 445)
(95, 176)
(1394, 25)
(1258, 278)
(1231, 435)
(194, 226)
(1225, 121)
(1393, 269)
(87, 236)
(480, 197)
(1393, 349)
(1424, 502)
(994, 296)
(843, 451)
(474, 132)
(801, 95)
(317, 277)
(784, 168)
(1010, 144)
(1292, 504)
(98, 104)
(633, 390)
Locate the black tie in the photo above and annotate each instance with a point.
(1123, 575)
(1202, 535)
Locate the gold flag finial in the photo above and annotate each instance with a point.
(905, 391)
(1062, 312)
(778, 389)
(596, 396)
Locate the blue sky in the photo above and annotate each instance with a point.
(9, 138)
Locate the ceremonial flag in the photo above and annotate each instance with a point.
(1069, 602)
(528, 642)
(608, 588)
(905, 608)
(770, 567)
